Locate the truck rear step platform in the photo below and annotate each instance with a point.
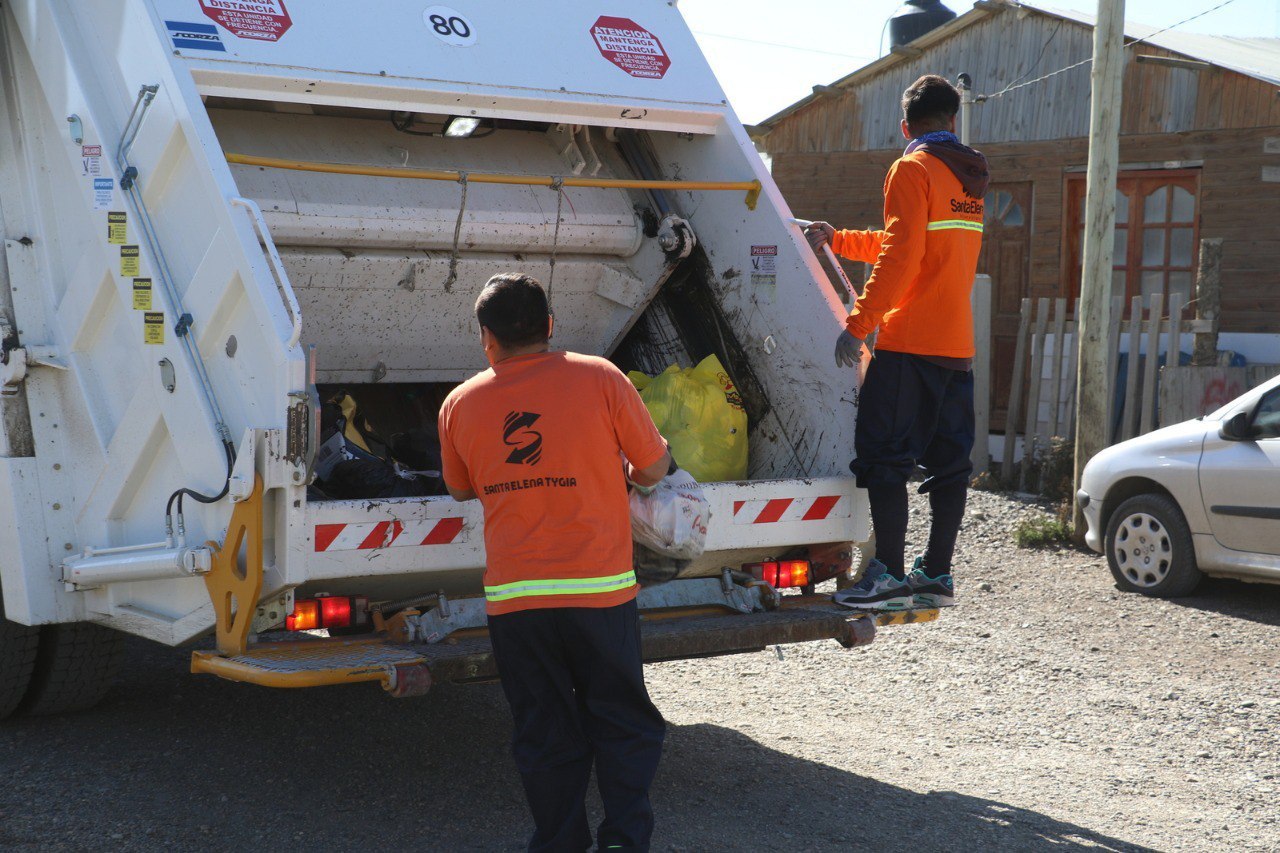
(410, 669)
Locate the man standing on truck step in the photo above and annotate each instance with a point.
(916, 404)
(548, 441)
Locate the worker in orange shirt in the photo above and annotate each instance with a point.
(548, 442)
(916, 403)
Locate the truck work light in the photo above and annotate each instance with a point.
(461, 126)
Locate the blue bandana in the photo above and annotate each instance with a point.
(936, 137)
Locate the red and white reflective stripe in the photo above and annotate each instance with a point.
(774, 510)
(389, 534)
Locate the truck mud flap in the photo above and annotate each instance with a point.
(407, 670)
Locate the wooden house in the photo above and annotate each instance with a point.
(1199, 152)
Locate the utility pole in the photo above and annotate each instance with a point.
(1093, 425)
(980, 301)
(965, 84)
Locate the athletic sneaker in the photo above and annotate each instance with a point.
(878, 590)
(930, 592)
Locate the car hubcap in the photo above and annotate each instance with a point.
(1143, 550)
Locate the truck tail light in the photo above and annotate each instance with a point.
(305, 616)
(335, 612)
(329, 611)
(793, 573)
(780, 573)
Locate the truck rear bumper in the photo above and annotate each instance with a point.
(366, 544)
(410, 669)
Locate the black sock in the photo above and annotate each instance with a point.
(947, 503)
(889, 521)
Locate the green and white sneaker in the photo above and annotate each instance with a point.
(930, 592)
(878, 590)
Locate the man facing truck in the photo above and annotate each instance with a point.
(548, 443)
(916, 403)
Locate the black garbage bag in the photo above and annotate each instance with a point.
(652, 568)
(418, 450)
(362, 478)
(354, 463)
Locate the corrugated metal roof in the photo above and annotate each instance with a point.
(1253, 57)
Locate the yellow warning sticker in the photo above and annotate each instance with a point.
(117, 227)
(129, 262)
(152, 326)
(142, 298)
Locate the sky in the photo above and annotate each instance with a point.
(770, 53)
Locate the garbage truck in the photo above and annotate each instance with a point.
(220, 215)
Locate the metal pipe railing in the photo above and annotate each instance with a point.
(129, 184)
(283, 285)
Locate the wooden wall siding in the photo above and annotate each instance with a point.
(1157, 99)
(846, 189)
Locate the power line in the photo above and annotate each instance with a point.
(1053, 35)
(1012, 88)
(781, 45)
(1184, 21)
(1016, 85)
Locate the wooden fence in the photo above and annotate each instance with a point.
(1042, 393)
(1191, 391)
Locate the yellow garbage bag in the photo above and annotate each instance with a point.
(699, 412)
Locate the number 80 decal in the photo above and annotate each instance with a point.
(450, 26)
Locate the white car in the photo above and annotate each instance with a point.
(1198, 498)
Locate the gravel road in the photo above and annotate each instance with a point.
(1047, 711)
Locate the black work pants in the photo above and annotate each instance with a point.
(914, 412)
(575, 683)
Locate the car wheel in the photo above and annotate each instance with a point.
(1149, 548)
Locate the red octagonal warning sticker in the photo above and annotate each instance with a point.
(630, 47)
(265, 20)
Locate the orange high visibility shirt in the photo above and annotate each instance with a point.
(925, 261)
(540, 439)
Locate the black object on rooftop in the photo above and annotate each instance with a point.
(915, 18)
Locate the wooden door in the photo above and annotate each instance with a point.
(1006, 257)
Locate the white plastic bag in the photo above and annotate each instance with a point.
(672, 519)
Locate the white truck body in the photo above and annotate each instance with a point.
(117, 406)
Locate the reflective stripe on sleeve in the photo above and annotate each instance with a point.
(955, 224)
(559, 586)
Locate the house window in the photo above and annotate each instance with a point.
(1001, 207)
(1157, 234)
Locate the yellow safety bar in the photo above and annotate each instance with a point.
(310, 663)
(232, 670)
(751, 188)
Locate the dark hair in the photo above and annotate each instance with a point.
(929, 103)
(513, 307)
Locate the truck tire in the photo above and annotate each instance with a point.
(74, 668)
(18, 644)
(1149, 548)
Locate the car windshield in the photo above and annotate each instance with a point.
(1252, 394)
(1266, 420)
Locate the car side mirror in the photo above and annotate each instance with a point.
(1237, 427)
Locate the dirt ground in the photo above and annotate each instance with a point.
(1047, 711)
